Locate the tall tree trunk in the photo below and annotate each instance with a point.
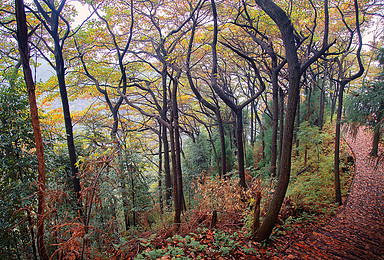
(30, 224)
(160, 169)
(175, 117)
(281, 123)
(133, 197)
(322, 107)
(22, 38)
(336, 169)
(334, 100)
(308, 117)
(240, 147)
(60, 72)
(252, 123)
(297, 127)
(163, 114)
(275, 122)
(176, 154)
(177, 215)
(222, 143)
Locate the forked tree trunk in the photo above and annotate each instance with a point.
(22, 38)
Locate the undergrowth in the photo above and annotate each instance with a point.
(218, 223)
(310, 197)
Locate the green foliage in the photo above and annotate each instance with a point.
(312, 191)
(197, 156)
(18, 166)
(205, 244)
(365, 105)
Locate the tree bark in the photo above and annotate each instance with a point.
(336, 169)
(281, 123)
(160, 169)
(22, 38)
(240, 147)
(322, 107)
(275, 123)
(163, 114)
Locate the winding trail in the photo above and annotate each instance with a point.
(357, 231)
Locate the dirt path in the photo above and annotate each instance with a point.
(357, 231)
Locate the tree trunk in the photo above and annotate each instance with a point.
(60, 72)
(160, 170)
(133, 197)
(30, 224)
(222, 143)
(256, 213)
(262, 135)
(308, 117)
(240, 147)
(22, 38)
(252, 123)
(177, 215)
(281, 123)
(275, 122)
(322, 107)
(377, 132)
(296, 128)
(375, 142)
(175, 154)
(336, 169)
(334, 100)
(163, 114)
(175, 112)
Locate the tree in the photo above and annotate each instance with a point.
(343, 81)
(262, 40)
(22, 39)
(213, 107)
(295, 70)
(226, 97)
(52, 20)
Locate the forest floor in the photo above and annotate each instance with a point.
(357, 231)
